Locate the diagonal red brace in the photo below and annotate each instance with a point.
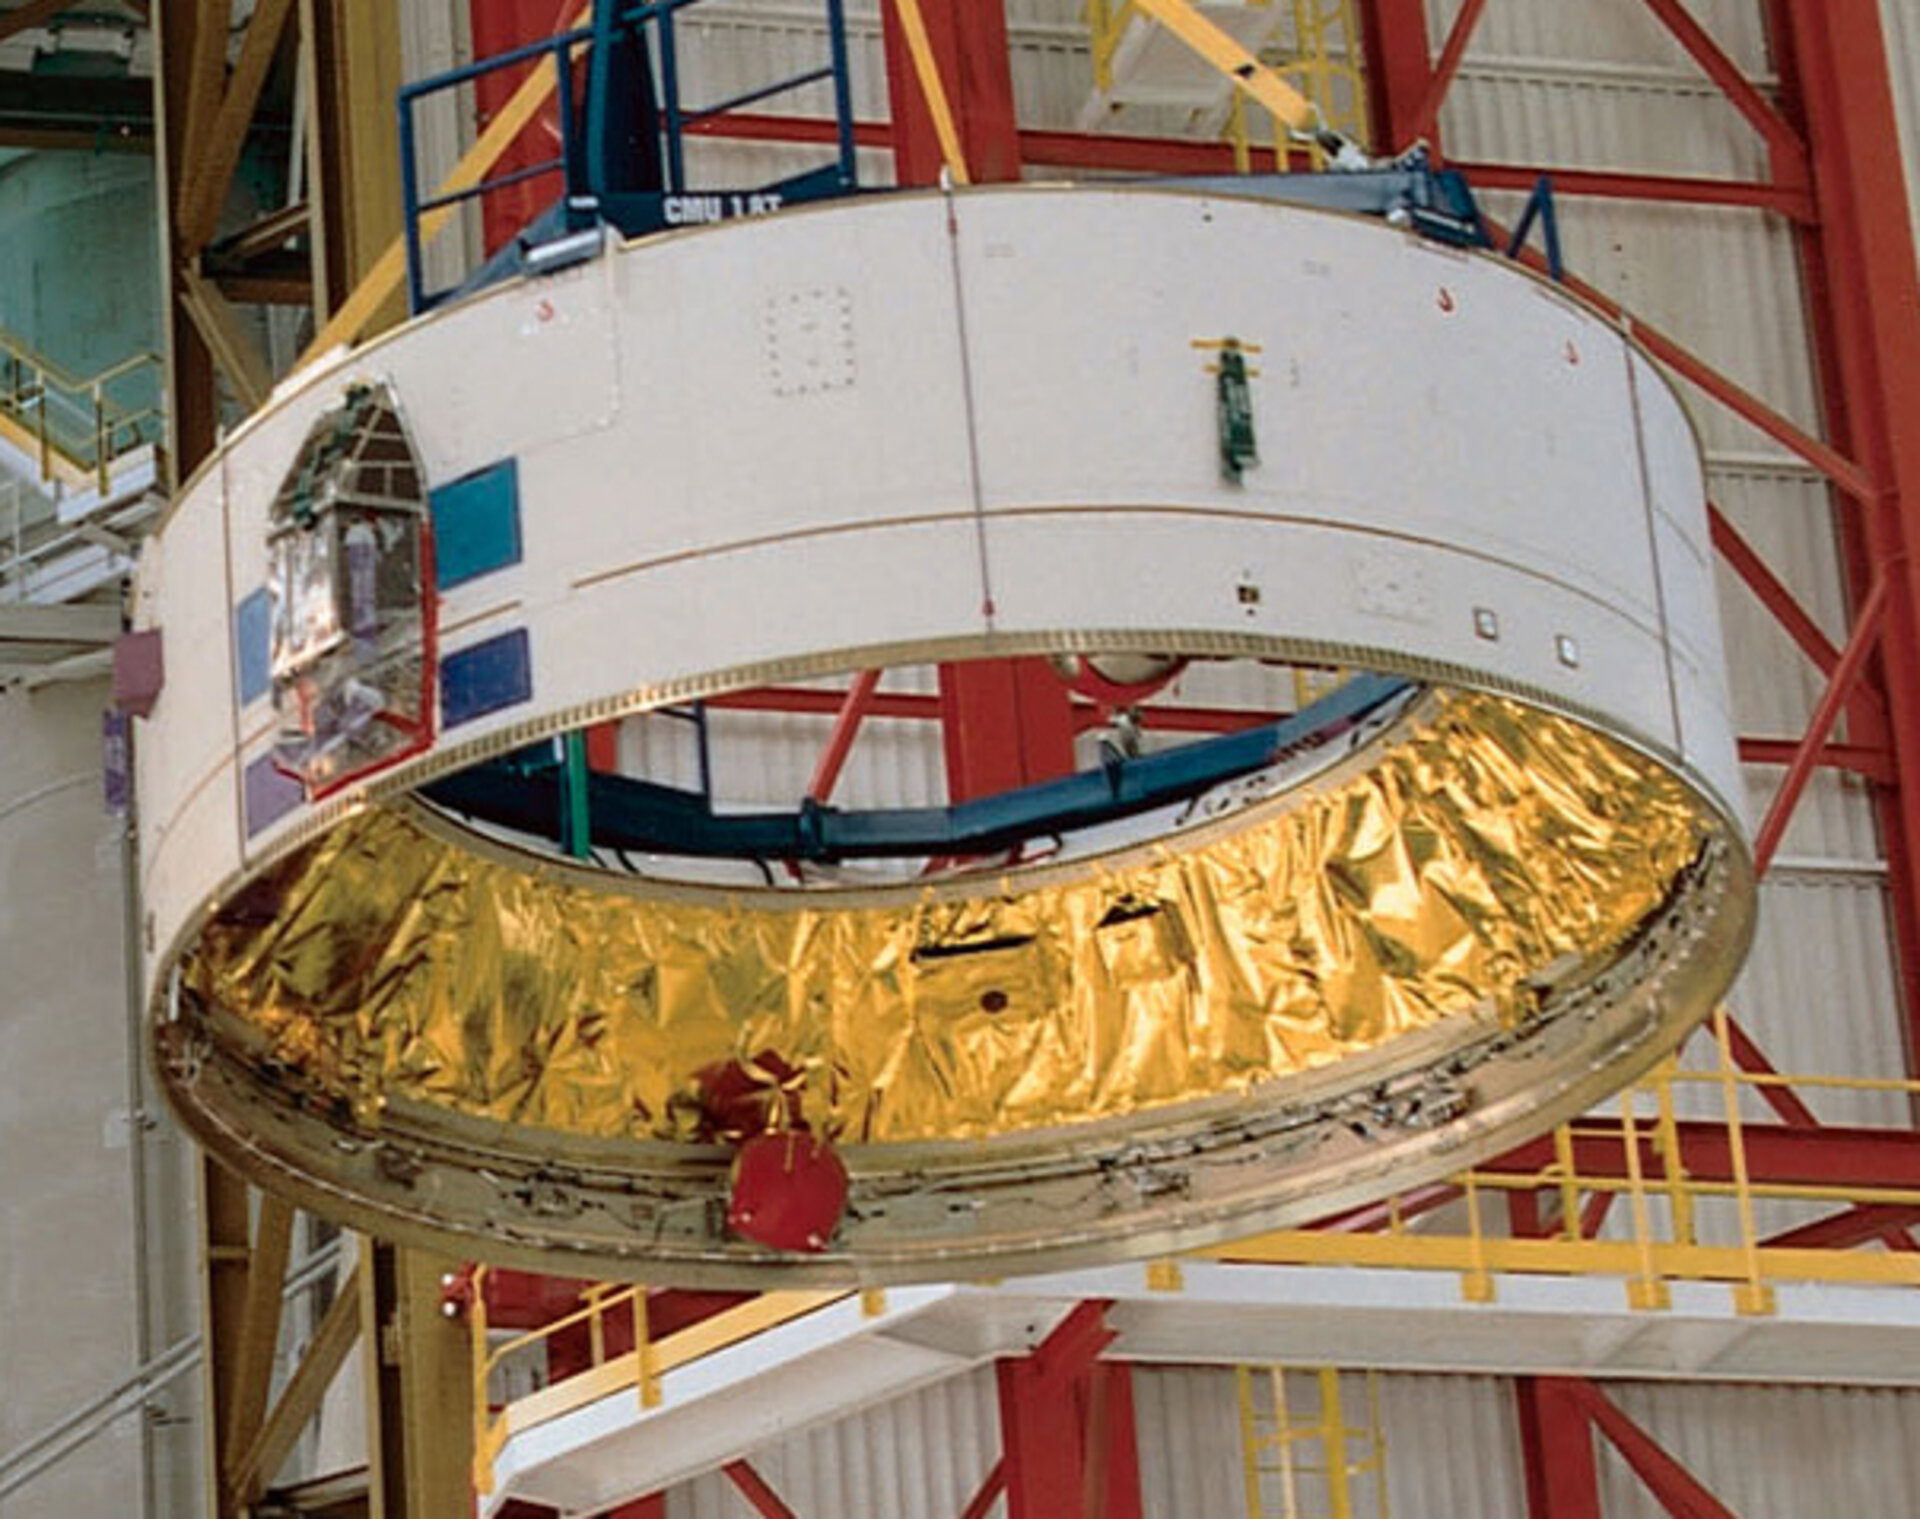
(1448, 67)
(1846, 675)
(1678, 1491)
(1787, 144)
(753, 1487)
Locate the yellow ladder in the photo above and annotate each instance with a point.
(1301, 1457)
(75, 429)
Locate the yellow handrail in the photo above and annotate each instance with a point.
(1706, 1230)
(104, 428)
(639, 1370)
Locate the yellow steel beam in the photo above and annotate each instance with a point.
(430, 1400)
(210, 172)
(205, 68)
(249, 1471)
(226, 1252)
(350, 69)
(926, 67)
(380, 282)
(1558, 1257)
(260, 1323)
(233, 349)
(1243, 69)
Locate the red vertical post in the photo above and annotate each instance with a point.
(1069, 1444)
(1399, 69)
(1864, 303)
(499, 26)
(969, 40)
(1556, 1436)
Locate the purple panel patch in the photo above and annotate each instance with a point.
(116, 761)
(270, 794)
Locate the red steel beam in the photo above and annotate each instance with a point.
(1874, 764)
(969, 42)
(1677, 189)
(994, 1484)
(1399, 69)
(1777, 1154)
(1677, 1490)
(1859, 272)
(854, 707)
(1788, 148)
(753, 1487)
(1426, 117)
(1846, 676)
(807, 701)
(1752, 1059)
(1771, 591)
(1847, 1229)
(1556, 1440)
(1067, 1426)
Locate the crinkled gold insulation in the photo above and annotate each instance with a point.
(1482, 841)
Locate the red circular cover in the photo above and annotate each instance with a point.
(789, 1191)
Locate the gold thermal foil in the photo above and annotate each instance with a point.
(1484, 842)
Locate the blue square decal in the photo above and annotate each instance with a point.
(476, 524)
(485, 677)
(252, 645)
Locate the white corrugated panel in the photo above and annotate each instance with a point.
(1188, 1419)
(1775, 1453)
(918, 1457)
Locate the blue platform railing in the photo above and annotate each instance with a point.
(594, 192)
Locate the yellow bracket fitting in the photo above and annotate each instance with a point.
(873, 1302)
(1648, 1294)
(1755, 1300)
(650, 1396)
(1165, 1276)
(1219, 345)
(1477, 1287)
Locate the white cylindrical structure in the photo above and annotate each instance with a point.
(930, 428)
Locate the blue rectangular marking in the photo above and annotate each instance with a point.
(270, 793)
(252, 640)
(476, 524)
(485, 677)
